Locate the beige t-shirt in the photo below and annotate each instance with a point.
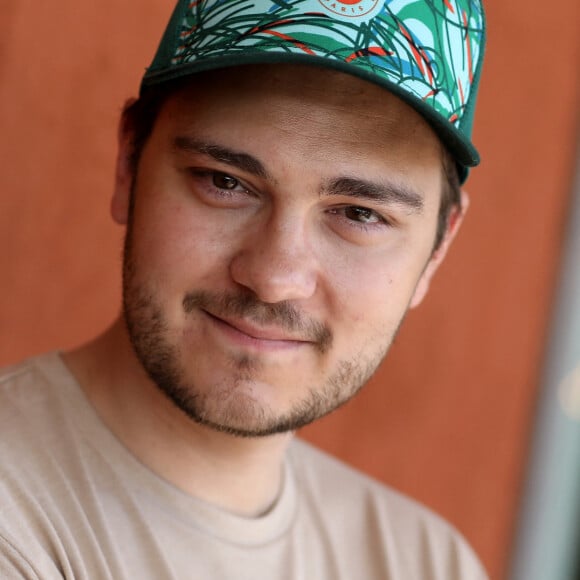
(74, 503)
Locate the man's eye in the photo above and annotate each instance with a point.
(362, 215)
(224, 181)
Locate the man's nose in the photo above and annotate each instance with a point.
(276, 261)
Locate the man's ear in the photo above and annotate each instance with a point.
(453, 224)
(124, 169)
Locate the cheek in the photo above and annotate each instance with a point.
(173, 233)
(373, 290)
(176, 247)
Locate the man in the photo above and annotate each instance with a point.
(289, 179)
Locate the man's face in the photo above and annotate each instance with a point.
(283, 223)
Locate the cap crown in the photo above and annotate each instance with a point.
(428, 52)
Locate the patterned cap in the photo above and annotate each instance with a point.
(427, 52)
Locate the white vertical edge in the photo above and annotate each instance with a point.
(547, 545)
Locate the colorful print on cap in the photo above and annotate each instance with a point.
(428, 48)
(352, 9)
(427, 52)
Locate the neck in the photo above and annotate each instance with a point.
(242, 475)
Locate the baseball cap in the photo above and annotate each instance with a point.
(427, 52)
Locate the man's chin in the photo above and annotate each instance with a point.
(241, 414)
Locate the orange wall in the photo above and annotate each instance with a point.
(447, 418)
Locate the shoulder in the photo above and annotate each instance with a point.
(31, 420)
(327, 477)
(22, 378)
(361, 509)
(28, 394)
(34, 423)
(40, 414)
(11, 375)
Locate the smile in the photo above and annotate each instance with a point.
(242, 333)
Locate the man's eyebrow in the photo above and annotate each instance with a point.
(386, 193)
(243, 161)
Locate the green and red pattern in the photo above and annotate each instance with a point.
(428, 47)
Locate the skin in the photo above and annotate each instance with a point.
(282, 224)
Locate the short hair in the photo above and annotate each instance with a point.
(139, 118)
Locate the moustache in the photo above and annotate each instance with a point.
(248, 306)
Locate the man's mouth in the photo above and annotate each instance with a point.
(246, 320)
(250, 334)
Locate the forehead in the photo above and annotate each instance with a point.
(323, 114)
(310, 91)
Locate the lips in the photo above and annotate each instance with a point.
(256, 333)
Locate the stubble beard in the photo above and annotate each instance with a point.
(225, 407)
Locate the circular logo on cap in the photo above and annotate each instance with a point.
(352, 8)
